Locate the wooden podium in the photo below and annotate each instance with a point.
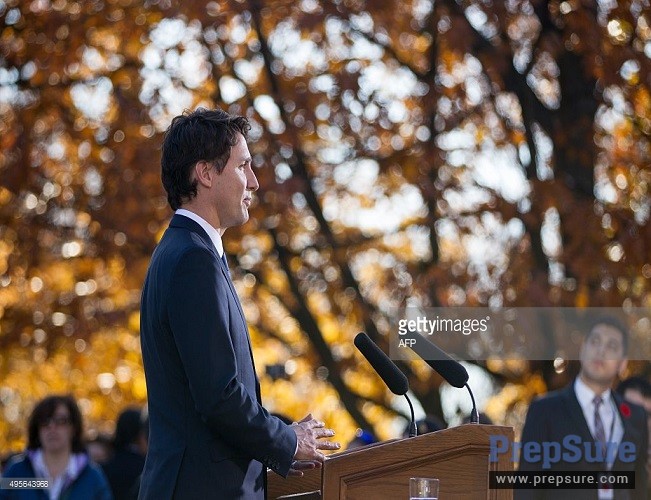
(458, 457)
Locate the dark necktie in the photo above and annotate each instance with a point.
(599, 432)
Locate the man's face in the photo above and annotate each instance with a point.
(233, 187)
(602, 355)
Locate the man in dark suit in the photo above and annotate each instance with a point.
(594, 418)
(209, 436)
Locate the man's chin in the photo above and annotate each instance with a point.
(239, 221)
(599, 375)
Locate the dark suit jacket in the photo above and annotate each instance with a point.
(209, 435)
(558, 415)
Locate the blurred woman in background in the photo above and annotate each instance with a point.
(55, 451)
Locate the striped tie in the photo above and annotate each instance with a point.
(599, 432)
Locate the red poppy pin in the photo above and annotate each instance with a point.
(625, 410)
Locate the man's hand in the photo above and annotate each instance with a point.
(309, 433)
(298, 466)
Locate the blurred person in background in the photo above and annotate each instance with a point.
(130, 444)
(430, 423)
(638, 390)
(595, 417)
(55, 451)
(362, 438)
(483, 419)
(6, 460)
(100, 449)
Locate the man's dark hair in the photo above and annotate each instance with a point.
(635, 384)
(614, 323)
(45, 410)
(201, 135)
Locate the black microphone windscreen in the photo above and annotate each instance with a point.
(451, 370)
(385, 368)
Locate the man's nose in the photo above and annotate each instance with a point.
(602, 350)
(251, 180)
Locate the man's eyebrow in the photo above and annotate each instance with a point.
(245, 159)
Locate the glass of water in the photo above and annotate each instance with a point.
(423, 488)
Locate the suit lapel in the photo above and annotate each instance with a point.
(185, 222)
(631, 434)
(227, 275)
(629, 431)
(575, 413)
(180, 221)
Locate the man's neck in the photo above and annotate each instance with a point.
(596, 387)
(205, 214)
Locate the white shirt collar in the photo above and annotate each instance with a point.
(213, 234)
(585, 395)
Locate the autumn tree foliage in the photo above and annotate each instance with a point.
(442, 153)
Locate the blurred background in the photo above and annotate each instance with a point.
(416, 152)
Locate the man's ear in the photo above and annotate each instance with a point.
(203, 173)
(623, 364)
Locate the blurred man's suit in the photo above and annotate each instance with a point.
(209, 434)
(559, 414)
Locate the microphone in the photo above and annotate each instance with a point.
(395, 380)
(441, 362)
(385, 368)
(450, 369)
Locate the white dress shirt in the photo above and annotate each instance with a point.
(214, 235)
(613, 427)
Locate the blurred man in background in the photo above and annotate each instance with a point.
(591, 412)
